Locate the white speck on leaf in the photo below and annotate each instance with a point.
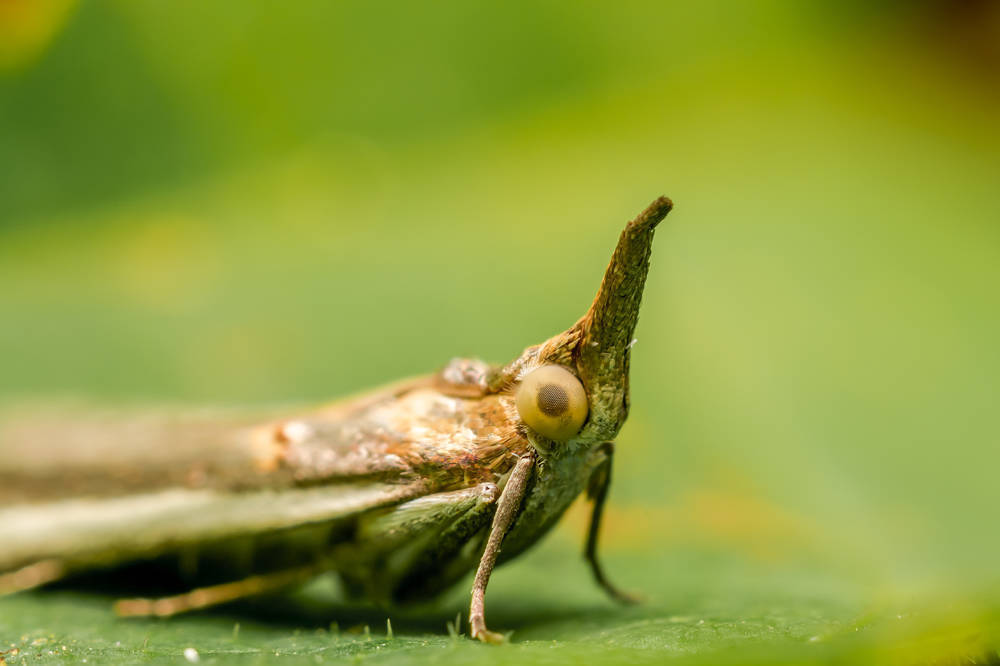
(191, 655)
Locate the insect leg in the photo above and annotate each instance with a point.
(418, 548)
(214, 595)
(32, 575)
(597, 490)
(510, 501)
(452, 552)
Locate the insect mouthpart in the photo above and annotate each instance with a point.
(552, 402)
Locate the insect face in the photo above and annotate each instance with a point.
(552, 402)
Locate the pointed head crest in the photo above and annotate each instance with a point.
(597, 348)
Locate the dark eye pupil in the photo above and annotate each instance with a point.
(552, 400)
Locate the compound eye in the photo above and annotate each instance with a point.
(551, 400)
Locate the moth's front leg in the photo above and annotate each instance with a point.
(597, 490)
(510, 502)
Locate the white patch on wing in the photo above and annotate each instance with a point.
(429, 418)
(296, 431)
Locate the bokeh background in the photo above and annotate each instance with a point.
(235, 203)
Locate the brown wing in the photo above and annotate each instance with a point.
(85, 488)
(59, 451)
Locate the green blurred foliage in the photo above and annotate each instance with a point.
(211, 202)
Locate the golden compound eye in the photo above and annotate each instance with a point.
(551, 400)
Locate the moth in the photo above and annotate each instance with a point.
(401, 491)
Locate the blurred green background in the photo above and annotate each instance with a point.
(231, 203)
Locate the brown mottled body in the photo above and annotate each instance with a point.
(402, 491)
